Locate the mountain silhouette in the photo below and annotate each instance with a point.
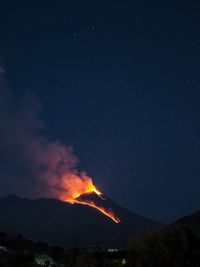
(192, 221)
(68, 225)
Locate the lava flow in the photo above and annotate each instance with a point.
(77, 186)
(108, 213)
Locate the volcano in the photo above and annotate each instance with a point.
(60, 223)
(99, 202)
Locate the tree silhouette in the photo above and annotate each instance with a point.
(172, 247)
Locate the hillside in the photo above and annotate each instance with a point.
(192, 221)
(60, 223)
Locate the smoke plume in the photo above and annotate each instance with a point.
(31, 165)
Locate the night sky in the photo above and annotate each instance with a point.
(119, 81)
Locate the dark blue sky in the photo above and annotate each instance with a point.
(119, 81)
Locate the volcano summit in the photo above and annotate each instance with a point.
(67, 225)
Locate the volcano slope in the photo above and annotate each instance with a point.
(68, 225)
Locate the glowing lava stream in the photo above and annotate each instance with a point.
(77, 186)
(109, 214)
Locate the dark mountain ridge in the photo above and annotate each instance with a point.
(192, 221)
(60, 223)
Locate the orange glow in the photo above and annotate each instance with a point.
(76, 186)
(109, 213)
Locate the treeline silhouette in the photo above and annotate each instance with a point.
(175, 246)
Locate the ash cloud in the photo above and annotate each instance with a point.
(31, 165)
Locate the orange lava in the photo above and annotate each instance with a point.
(79, 185)
(109, 213)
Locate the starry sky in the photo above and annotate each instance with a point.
(119, 81)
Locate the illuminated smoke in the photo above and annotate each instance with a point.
(49, 167)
